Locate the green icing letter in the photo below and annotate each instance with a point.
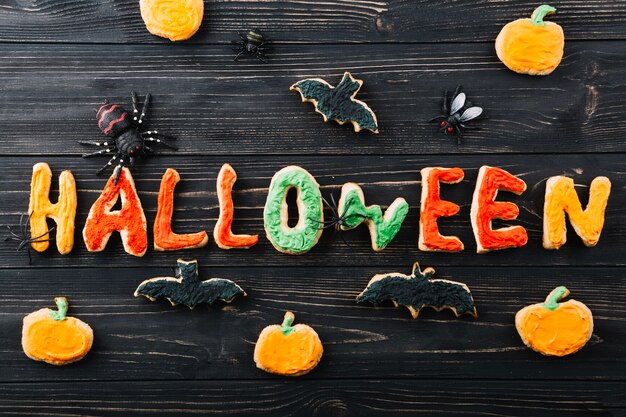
(383, 228)
(304, 235)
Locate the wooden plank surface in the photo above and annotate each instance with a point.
(332, 21)
(216, 106)
(62, 58)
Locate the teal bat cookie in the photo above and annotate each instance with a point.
(338, 103)
(186, 288)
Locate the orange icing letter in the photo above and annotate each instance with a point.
(63, 212)
(129, 220)
(164, 238)
(222, 233)
(485, 209)
(434, 207)
(561, 197)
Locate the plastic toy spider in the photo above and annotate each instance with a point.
(24, 237)
(336, 221)
(252, 43)
(127, 141)
(452, 119)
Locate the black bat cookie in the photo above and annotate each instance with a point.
(338, 103)
(417, 291)
(187, 289)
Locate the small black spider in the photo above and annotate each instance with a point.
(252, 43)
(452, 119)
(128, 142)
(337, 221)
(24, 236)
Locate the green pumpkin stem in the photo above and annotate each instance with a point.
(552, 301)
(286, 327)
(541, 12)
(61, 303)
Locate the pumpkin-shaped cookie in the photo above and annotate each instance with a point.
(531, 46)
(555, 329)
(288, 350)
(53, 337)
(175, 20)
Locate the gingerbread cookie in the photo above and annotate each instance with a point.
(352, 212)
(485, 209)
(63, 212)
(531, 46)
(164, 238)
(53, 337)
(223, 235)
(288, 350)
(433, 207)
(175, 20)
(186, 288)
(305, 234)
(130, 220)
(555, 329)
(417, 291)
(338, 103)
(561, 198)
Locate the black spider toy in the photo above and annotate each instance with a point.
(252, 43)
(456, 113)
(337, 221)
(24, 237)
(127, 142)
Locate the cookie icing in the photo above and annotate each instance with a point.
(222, 233)
(130, 220)
(164, 237)
(63, 212)
(382, 228)
(553, 328)
(302, 237)
(485, 209)
(175, 20)
(561, 198)
(433, 207)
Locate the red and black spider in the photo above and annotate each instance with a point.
(24, 237)
(127, 142)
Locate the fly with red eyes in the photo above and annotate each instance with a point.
(127, 141)
(457, 112)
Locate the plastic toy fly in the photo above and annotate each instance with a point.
(457, 111)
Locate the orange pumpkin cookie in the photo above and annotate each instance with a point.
(175, 20)
(164, 237)
(51, 336)
(223, 235)
(553, 328)
(288, 350)
(63, 212)
(561, 198)
(130, 220)
(531, 46)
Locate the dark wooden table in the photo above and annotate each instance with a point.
(60, 59)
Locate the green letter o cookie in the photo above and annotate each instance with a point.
(302, 237)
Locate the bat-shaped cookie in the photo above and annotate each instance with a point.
(338, 103)
(187, 289)
(417, 291)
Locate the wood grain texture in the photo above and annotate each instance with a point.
(316, 398)
(216, 106)
(383, 178)
(333, 21)
(136, 339)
